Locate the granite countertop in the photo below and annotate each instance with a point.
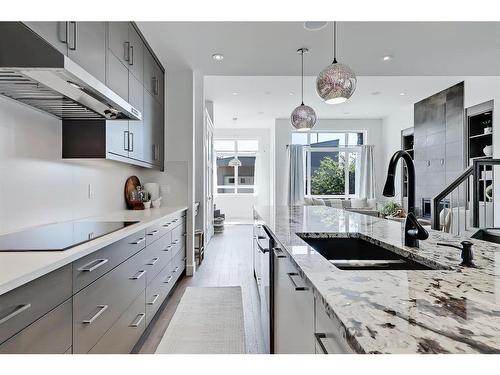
(451, 310)
(18, 268)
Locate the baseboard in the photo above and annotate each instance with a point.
(190, 269)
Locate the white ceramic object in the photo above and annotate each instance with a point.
(488, 130)
(489, 192)
(488, 150)
(147, 205)
(157, 203)
(152, 188)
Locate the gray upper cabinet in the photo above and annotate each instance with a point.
(87, 46)
(153, 76)
(148, 127)
(56, 33)
(136, 55)
(136, 128)
(117, 76)
(118, 40)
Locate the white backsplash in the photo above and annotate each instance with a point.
(37, 186)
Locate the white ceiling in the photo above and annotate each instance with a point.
(260, 100)
(269, 48)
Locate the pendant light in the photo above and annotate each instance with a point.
(337, 82)
(303, 117)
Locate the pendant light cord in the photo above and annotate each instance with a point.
(302, 75)
(334, 29)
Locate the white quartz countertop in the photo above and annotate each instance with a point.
(450, 310)
(18, 268)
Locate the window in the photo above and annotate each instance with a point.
(331, 162)
(236, 165)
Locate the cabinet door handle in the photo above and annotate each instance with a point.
(291, 275)
(96, 264)
(153, 261)
(99, 312)
(176, 269)
(131, 142)
(168, 248)
(153, 232)
(319, 339)
(167, 280)
(142, 239)
(73, 46)
(126, 51)
(126, 140)
(138, 275)
(66, 32)
(138, 320)
(155, 298)
(167, 225)
(278, 253)
(175, 242)
(131, 62)
(19, 309)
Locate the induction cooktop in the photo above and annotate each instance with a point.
(60, 236)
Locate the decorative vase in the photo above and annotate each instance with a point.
(488, 150)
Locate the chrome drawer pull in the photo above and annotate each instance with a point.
(153, 233)
(291, 275)
(98, 263)
(156, 296)
(175, 242)
(138, 320)
(153, 261)
(168, 279)
(319, 339)
(279, 253)
(138, 275)
(176, 269)
(138, 241)
(101, 308)
(19, 309)
(168, 248)
(175, 220)
(167, 225)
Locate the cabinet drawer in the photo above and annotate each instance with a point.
(157, 255)
(93, 266)
(51, 334)
(22, 306)
(329, 334)
(157, 291)
(97, 307)
(178, 264)
(124, 334)
(156, 231)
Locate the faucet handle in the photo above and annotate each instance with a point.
(467, 254)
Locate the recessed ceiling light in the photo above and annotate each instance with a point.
(402, 93)
(218, 57)
(235, 118)
(235, 93)
(314, 25)
(376, 93)
(387, 58)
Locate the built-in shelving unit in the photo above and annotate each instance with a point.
(406, 145)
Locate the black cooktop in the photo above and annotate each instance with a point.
(60, 236)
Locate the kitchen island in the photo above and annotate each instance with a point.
(446, 309)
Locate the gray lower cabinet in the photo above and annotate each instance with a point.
(48, 335)
(329, 334)
(87, 47)
(126, 331)
(293, 309)
(99, 305)
(22, 306)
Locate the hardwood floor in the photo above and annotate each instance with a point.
(228, 262)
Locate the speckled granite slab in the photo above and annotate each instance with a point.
(451, 310)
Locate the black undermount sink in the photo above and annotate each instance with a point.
(358, 254)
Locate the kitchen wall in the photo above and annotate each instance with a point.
(240, 207)
(37, 186)
(283, 136)
(477, 90)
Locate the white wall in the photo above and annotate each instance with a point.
(37, 185)
(283, 136)
(240, 207)
(477, 90)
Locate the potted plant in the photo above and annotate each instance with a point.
(389, 208)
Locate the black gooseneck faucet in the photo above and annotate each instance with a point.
(413, 229)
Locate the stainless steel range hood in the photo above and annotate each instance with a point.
(35, 73)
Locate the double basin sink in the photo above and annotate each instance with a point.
(359, 254)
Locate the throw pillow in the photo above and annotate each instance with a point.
(308, 201)
(358, 203)
(319, 202)
(371, 203)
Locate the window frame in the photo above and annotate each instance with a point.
(345, 149)
(237, 153)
